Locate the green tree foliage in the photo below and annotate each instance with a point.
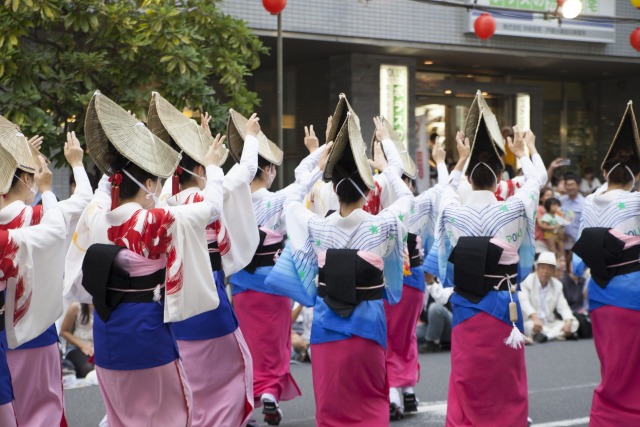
(55, 53)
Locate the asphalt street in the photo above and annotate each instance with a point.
(562, 376)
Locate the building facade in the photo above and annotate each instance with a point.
(420, 64)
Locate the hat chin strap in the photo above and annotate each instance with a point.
(488, 167)
(633, 177)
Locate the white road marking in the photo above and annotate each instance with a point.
(570, 387)
(564, 423)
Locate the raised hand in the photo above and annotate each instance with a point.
(322, 164)
(253, 125)
(204, 123)
(43, 176)
(215, 154)
(379, 161)
(382, 132)
(36, 142)
(310, 139)
(530, 141)
(326, 132)
(463, 146)
(517, 144)
(438, 154)
(73, 152)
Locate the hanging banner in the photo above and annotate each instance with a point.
(527, 24)
(394, 97)
(422, 155)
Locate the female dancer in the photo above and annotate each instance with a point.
(20, 250)
(610, 245)
(264, 316)
(214, 353)
(484, 245)
(35, 365)
(353, 250)
(137, 257)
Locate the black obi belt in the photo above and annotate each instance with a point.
(476, 270)
(346, 280)
(605, 255)
(214, 256)
(265, 254)
(415, 260)
(110, 285)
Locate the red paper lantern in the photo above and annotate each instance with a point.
(274, 7)
(634, 39)
(484, 26)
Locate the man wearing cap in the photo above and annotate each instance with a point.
(609, 244)
(541, 297)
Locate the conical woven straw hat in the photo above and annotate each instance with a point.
(167, 122)
(267, 149)
(408, 165)
(8, 166)
(109, 125)
(481, 127)
(350, 136)
(626, 136)
(18, 146)
(339, 117)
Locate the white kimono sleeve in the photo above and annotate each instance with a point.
(35, 257)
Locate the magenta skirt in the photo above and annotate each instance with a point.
(37, 386)
(403, 368)
(265, 321)
(158, 396)
(616, 334)
(350, 384)
(219, 371)
(488, 383)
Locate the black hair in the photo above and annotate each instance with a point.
(433, 137)
(587, 170)
(510, 171)
(262, 163)
(544, 190)
(187, 163)
(570, 176)
(620, 175)
(85, 313)
(550, 202)
(482, 178)
(346, 191)
(17, 176)
(128, 188)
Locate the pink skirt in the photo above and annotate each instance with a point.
(616, 334)
(350, 384)
(8, 415)
(488, 383)
(219, 371)
(266, 324)
(403, 368)
(146, 397)
(37, 385)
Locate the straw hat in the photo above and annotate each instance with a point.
(167, 122)
(408, 165)
(12, 140)
(109, 126)
(481, 127)
(626, 135)
(355, 158)
(8, 166)
(339, 117)
(267, 149)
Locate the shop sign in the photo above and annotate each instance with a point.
(524, 23)
(394, 97)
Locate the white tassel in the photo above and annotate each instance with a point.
(515, 339)
(157, 294)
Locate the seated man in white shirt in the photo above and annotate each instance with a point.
(542, 301)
